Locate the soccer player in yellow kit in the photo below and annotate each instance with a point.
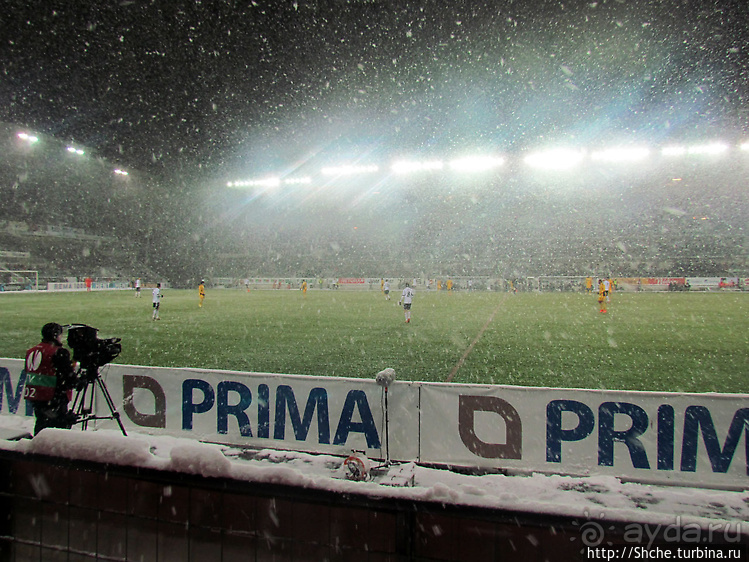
(304, 287)
(201, 293)
(602, 295)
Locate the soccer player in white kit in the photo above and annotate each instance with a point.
(156, 302)
(406, 299)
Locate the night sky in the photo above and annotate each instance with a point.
(241, 88)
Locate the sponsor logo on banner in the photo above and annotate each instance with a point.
(11, 392)
(696, 422)
(645, 436)
(296, 410)
(656, 437)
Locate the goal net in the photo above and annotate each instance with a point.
(19, 279)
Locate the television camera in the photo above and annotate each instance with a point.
(91, 353)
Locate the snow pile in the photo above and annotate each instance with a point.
(199, 458)
(102, 447)
(601, 497)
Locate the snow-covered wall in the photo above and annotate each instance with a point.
(691, 439)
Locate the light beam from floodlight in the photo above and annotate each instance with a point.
(476, 163)
(407, 167)
(745, 147)
(347, 170)
(555, 159)
(631, 154)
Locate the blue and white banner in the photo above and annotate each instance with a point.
(643, 436)
(655, 437)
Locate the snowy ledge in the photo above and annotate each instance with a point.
(602, 498)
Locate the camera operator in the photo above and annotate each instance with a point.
(51, 380)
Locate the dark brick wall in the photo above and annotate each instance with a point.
(54, 509)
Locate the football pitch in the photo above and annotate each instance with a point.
(678, 342)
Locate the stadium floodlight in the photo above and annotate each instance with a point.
(298, 181)
(708, 149)
(555, 159)
(121, 172)
(407, 167)
(266, 182)
(77, 151)
(27, 137)
(476, 163)
(348, 170)
(628, 154)
(714, 148)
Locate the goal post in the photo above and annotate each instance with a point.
(19, 279)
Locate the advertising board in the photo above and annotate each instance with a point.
(655, 437)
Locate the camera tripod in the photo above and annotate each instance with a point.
(83, 403)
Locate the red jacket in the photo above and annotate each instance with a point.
(49, 370)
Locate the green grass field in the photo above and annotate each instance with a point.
(682, 342)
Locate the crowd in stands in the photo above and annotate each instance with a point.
(63, 216)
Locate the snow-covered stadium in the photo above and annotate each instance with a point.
(502, 147)
(68, 216)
